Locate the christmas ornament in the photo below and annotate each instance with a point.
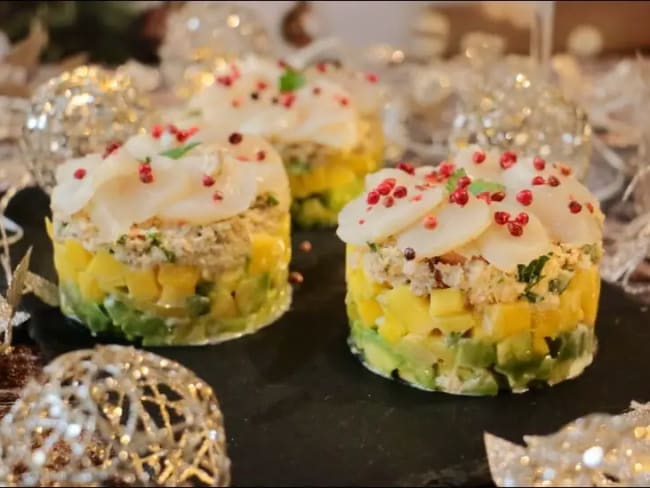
(201, 36)
(114, 415)
(76, 113)
(596, 450)
(515, 109)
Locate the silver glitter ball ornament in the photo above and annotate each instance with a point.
(514, 109)
(78, 112)
(116, 416)
(201, 35)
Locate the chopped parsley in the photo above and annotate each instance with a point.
(558, 285)
(155, 241)
(291, 80)
(373, 247)
(452, 181)
(482, 186)
(298, 167)
(271, 200)
(531, 274)
(180, 151)
(122, 240)
(592, 251)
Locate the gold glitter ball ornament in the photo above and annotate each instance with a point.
(114, 415)
(201, 36)
(514, 109)
(78, 112)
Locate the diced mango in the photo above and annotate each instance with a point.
(223, 304)
(142, 285)
(587, 282)
(107, 271)
(230, 279)
(571, 308)
(89, 288)
(547, 322)
(178, 276)
(340, 176)
(447, 301)
(461, 322)
(392, 329)
(411, 310)
(506, 319)
(369, 311)
(266, 251)
(539, 345)
(360, 286)
(64, 268)
(76, 255)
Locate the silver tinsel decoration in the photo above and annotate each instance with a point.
(114, 416)
(201, 35)
(513, 108)
(596, 450)
(79, 112)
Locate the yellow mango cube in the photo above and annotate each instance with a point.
(369, 311)
(447, 301)
(539, 344)
(338, 175)
(107, 271)
(502, 320)
(142, 285)
(89, 288)
(77, 255)
(392, 329)
(64, 268)
(571, 308)
(223, 304)
(411, 310)
(460, 322)
(587, 282)
(178, 276)
(49, 229)
(360, 286)
(266, 251)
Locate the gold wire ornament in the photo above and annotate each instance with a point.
(114, 415)
(79, 112)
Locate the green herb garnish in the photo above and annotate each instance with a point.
(180, 151)
(291, 80)
(482, 186)
(298, 167)
(194, 113)
(558, 285)
(531, 274)
(271, 200)
(373, 247)
(169, 255)
(452, 181)
(593, 252)
(122, 240)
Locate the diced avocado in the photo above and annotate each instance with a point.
(477, 382)
(446, 301)
(422, 377)
(515, 350)
(197, 305)
(93, 315)
(476, 353)
(133, 323)
(204, 288)
(413, 348)
(376, 352)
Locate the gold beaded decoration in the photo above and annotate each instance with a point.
(114, 415)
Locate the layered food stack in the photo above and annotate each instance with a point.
(325, 122)
(173, 237)
(477, 275)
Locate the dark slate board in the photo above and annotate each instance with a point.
(301, 411)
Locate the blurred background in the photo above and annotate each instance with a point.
(114, 31)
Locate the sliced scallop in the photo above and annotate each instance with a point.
(455, 227)
(489, 169)
(359, 225)
(234, 190)
(505, 251)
